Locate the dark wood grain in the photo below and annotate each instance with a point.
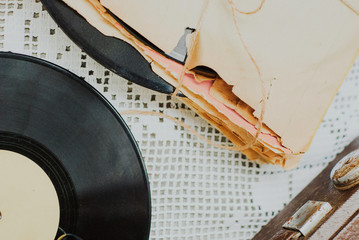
(320, 188)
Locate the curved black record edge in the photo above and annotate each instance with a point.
(129, 64)
(139, 37)
(106, 104)
(145, 41)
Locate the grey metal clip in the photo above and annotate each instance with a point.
(180, 51)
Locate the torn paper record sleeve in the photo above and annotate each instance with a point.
(293, 55)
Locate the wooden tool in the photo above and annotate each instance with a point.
(327, 208)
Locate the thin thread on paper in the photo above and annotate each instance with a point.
(263, 90)
(250, 12)
(193, 44)
(192, 48)
(350, 7)
(185, 126)
(109, 18)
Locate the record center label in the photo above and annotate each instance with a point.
(29, 206)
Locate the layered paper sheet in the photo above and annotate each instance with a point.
(303, 50)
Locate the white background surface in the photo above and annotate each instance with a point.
(198, 191)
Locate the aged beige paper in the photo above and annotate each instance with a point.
(303, 50)
(163, 22)
(29, 205)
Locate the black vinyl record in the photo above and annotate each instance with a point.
(115, 54)
(72, 132)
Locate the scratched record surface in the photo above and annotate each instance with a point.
(116, 55)
(68, 129)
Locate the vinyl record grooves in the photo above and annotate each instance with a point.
(65, 126)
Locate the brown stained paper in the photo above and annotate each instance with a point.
(223, 92)
(261, 151)
(303, 50)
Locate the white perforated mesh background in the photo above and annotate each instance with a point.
(198, 191)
